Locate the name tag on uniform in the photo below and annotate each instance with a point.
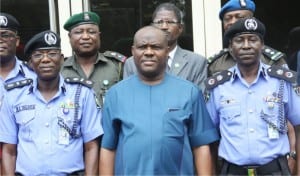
(63, 136)
(272, 132)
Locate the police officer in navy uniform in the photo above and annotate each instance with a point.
(229, 14)
(11, 68)
(104, 69)
(51, 124)
(249, 104)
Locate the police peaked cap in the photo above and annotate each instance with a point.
(82, 18)
(43, 40)
(245, 25)
(233, 5)
(7, 21)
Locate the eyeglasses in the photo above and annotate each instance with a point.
(167, 22)
(7, 36)
(50, 55)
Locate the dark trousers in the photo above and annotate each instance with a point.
(278, 166)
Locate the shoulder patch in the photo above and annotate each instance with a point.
(217, 56)
(115, 55)
(75, 80)
(282, 73)
(272, 53)
(18, 84)
(217, 79)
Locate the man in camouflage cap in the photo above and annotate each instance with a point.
(232, 11)
(104, 69)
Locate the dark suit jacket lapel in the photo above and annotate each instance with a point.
(179, 61)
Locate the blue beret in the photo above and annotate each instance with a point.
(233, 5)
(245, 25)
(82, 18)
(43, 40)
(7, 21)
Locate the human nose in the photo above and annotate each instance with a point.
(148, 51)
(246, 44)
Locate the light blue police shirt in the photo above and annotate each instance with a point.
(32, 124)
(19, 72)
(237, 108)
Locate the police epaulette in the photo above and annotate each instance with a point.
(85, 82)
(217, 56)
(25, 63)
(18, 84)
(272, 53)
(282, 73)
(217, 79)
(115, 55)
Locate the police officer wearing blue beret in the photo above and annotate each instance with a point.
(249, 104)
(51, 124)
(232, 11)
(104, 69)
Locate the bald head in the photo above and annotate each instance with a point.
(150, 52)
(150, 32)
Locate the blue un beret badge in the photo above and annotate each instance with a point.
(251, 24)
(50, 38)
(243, 3)
(3, 21)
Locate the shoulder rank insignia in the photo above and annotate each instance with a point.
(85, 82)
(18, 84)
(282, 73)
(217, 56)
(272, 53)
(217, 79)
(115, 55)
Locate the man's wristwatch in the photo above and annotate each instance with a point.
(293, 155)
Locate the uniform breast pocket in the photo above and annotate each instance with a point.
(173, 123)
(231, 114)
(67, 117)
(270, 113)
(25, 121)
(174, 127)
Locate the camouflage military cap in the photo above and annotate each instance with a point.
(7, 21)
(43, 40)
(233, 5)
(82, 18)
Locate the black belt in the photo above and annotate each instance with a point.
(76, 173)
(278, 166)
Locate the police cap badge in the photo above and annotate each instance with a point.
(245, 25)
(9, 22)
(44, 40)
(233, 5)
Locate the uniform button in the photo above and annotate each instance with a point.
(48, 106)
(46, 142)
(251, 130)
(250, 110)
(250, 91)
(47, 124)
